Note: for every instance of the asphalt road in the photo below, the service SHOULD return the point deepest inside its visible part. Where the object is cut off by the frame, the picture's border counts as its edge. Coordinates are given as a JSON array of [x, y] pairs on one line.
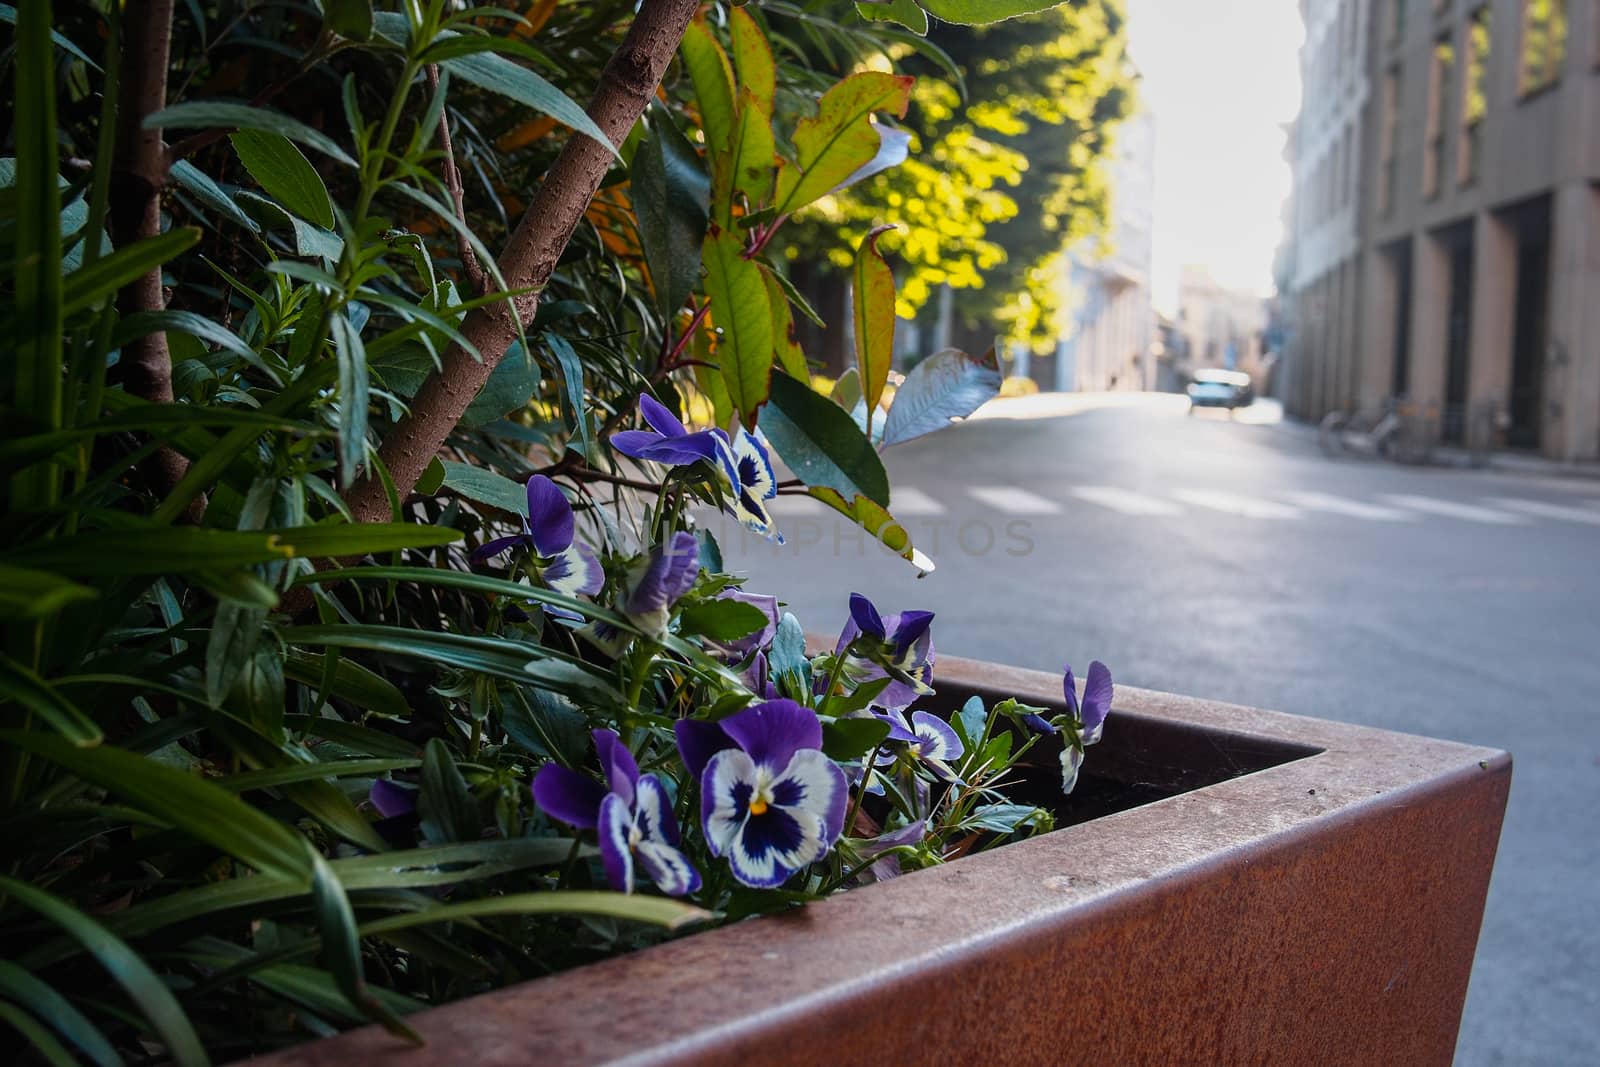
[[1228, 559]]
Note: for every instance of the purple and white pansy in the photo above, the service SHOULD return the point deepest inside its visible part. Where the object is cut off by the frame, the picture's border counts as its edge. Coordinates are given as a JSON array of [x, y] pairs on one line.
[[1089, 716], [668, 440], [771, 802], [928, 739], [899, 647], [562, 564], [632, 814], [747, 465], [660, 579]]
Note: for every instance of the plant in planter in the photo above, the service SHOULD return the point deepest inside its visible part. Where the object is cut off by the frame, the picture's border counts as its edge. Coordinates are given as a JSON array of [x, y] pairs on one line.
[[281, 754]]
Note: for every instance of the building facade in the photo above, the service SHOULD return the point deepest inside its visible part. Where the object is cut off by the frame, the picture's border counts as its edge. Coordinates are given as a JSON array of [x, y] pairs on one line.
[[1221, 327], [1109, 343], [1477, 287]]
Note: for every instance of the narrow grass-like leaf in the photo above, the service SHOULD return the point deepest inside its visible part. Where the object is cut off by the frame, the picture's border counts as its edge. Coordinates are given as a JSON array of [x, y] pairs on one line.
[[22, 685], [313, 772], [354, 387], [350, 681], [26, 593], [59, 1012], [874, 320], [88, 285], [211, 194], [480, 583], [34, 1033], [160, 1007], [230, 114]]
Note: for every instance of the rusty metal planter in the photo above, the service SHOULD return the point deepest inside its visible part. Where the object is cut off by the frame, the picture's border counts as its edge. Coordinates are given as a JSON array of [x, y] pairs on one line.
[[1307, 892]]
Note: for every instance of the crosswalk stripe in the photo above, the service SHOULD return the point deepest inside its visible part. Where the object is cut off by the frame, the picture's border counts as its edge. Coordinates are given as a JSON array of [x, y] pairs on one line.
[[907, 501], [1453, 510], [1126, 501], [1545, 510], [1236, 504], [1355, 509], [1013, 501]]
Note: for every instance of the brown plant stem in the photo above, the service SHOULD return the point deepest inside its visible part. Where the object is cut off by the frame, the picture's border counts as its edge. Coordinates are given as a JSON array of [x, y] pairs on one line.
[[476, 278], [530, 256], [139, 174]]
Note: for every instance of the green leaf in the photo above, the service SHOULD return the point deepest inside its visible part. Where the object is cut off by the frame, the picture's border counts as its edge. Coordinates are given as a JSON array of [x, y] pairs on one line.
[[87, 286], [572, 378], [185, 549], [738, 295], [354, 392], [205, 811], [876, 520], [273, 777], [351, 19], [211, 194], [449, 813], [8, 13], [284, 172], [351, 681], [874, 315], [671, 197], [748, 167], [309, 239], [752, 58], [905, 12], [486, 487], [432, 479], [230, 645], [341, 945], [481, 583], [229, 114], [143, 323], [511, 385], [142, 984], [20, 684], [712, 77], [357, 739], [721, 620], [1000, 818], [841, 138], [821, 443], [971, 721], [657, 911], [983, 12], [852, 739], [947, 385], [55, 1009], [26, 593]]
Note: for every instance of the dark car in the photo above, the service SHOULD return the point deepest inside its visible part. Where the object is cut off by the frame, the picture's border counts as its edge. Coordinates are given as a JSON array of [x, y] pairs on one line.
[[1219, 389]]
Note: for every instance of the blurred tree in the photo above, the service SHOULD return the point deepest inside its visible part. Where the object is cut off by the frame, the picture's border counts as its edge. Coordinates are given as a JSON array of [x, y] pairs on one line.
[[1003, 176]]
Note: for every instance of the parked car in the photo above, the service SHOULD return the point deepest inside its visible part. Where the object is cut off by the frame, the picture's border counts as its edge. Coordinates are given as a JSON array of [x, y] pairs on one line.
[[1219, 389]]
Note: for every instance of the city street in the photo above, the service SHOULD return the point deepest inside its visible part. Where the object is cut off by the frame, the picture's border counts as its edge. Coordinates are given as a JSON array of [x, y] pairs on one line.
[[1228, 558]]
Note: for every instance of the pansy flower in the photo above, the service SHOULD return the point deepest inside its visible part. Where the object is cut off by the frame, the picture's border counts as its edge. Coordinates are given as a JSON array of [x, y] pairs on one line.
[[391, 799], [632, 814], [747, 465], [881, 850], [770, 801], [564, 565], [1089, 717], [668, 441], [932, 742], [898, 646], [660, 579]]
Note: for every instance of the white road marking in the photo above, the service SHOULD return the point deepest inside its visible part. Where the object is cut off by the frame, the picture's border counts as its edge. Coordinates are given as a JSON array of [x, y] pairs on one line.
[[1127, 501], [1338, 505], [907, 500], [1450, 509], [1013, 501], [1236, 504], [1546, 510]]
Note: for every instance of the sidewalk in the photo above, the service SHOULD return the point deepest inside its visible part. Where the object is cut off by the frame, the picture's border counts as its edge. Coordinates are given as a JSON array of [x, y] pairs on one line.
[[1508, 462]]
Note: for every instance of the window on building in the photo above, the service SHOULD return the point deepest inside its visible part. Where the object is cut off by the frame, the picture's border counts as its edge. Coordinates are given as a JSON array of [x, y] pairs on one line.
[[1544, 44], [1439, 80], [1474, 96], [1388, 154], [1397, 21]]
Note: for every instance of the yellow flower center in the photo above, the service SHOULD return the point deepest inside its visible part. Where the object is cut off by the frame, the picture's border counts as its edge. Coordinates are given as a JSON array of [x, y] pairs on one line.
[[758, 806]]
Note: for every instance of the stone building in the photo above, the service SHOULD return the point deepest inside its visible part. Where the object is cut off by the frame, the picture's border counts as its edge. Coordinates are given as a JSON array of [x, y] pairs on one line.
[[1221, 327], [1475, 289]]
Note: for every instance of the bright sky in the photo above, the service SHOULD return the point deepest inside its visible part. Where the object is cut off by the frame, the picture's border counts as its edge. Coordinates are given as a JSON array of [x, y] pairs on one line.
[[1221, 77]]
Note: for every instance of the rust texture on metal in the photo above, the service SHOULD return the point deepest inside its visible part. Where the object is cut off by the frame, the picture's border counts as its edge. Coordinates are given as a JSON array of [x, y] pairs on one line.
[[1324, 909]]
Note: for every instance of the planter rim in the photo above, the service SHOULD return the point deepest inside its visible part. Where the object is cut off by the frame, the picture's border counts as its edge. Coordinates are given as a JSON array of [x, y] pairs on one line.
[[689, 1000]]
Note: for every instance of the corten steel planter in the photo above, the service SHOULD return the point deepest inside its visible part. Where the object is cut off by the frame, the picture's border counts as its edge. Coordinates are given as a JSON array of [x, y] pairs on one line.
[[1288, 891]]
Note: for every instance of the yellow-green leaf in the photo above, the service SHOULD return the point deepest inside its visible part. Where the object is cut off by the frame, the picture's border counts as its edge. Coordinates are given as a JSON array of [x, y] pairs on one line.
[[840, 139], [752, 58], [748, 166], [784, 336], [712, 77], [738, 295], [874, 320], [876, 520]]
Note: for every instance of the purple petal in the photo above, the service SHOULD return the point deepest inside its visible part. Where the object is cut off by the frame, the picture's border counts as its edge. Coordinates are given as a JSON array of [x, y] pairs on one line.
[[491, 549], [698, 742], [565, 794], [392, 799], [899, 730], [549, 516], [634, 442], [773, 731], [938, 738], [672, 451], [909, 629], [668, 868], [866, 617], [574, 570], [1096, 701], [617, 763], [616, 851], [1038, 724], [660, 419], [669, 572], [850, 632], [889, 866], [1069, 686]]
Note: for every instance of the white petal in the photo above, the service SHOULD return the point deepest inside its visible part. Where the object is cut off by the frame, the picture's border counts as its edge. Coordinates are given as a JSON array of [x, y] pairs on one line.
[[729, 768], [668, 868]]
